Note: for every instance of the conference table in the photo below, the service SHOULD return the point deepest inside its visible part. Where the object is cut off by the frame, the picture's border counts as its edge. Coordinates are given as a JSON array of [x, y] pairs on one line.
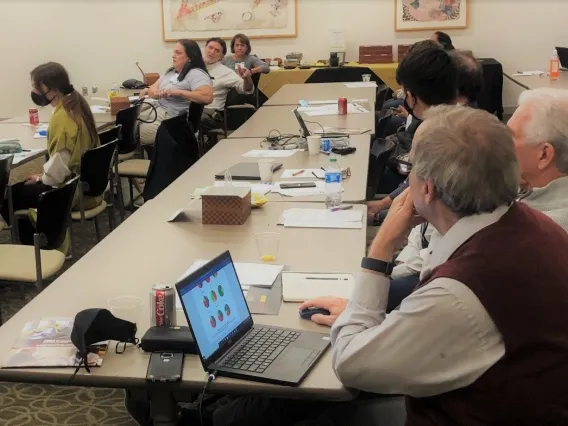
[[228, 152], [530, 82], [281, 119], [33, 148], [148, 248], [288, 94]]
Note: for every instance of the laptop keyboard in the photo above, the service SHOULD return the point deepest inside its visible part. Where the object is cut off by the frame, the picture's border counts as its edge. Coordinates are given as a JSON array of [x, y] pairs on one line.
[[259, 349]]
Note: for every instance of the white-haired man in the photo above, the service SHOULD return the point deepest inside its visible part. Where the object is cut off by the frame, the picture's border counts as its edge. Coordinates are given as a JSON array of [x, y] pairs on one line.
[[479, 342]]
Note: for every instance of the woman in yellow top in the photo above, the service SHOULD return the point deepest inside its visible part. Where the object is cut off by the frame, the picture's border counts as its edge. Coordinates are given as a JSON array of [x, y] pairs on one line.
[[71, 132]]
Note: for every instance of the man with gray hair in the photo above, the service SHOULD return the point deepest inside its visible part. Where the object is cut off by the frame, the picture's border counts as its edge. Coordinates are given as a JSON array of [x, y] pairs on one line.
[[540, 132], [479, 342]]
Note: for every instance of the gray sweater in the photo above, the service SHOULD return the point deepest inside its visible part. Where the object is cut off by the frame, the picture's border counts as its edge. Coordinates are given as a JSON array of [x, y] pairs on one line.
[[552, 200], [250, 61]]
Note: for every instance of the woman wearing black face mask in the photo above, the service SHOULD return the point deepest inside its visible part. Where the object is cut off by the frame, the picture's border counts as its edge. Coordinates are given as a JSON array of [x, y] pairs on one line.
[[71, 132]]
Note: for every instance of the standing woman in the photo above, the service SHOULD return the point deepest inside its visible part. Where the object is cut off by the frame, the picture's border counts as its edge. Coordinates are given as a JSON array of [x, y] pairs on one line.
[[241, 48], [185, 82], [70, 134]]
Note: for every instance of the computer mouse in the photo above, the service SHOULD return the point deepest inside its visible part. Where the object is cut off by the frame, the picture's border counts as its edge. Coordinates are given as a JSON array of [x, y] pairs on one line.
[[308, 312]]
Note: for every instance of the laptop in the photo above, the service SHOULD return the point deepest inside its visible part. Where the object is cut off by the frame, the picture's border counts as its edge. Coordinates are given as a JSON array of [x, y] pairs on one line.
[[245, 171], [227, 339], [563, 56], [305, 132]]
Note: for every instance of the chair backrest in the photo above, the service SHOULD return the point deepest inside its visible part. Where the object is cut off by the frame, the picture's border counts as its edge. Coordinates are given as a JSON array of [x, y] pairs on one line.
[[236, 117], [176, 151], [194, 115], [128, 118], [5, 166], [54, 214], [96, 166], [380, 150], [382, 95], [382, 125], [112, 134], [342, 75]]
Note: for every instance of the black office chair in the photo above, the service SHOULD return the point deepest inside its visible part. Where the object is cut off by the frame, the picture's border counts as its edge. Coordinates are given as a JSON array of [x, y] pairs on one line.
[[33, 264], [176, 151], [128, 143], [380, 151], [96, 174], [194, 115], [114, 134]]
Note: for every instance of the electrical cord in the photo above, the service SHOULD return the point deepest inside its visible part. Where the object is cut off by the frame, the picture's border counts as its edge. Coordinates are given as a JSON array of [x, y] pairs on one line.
[[142, 101], [210, 378], [280, 141], [322, 129]]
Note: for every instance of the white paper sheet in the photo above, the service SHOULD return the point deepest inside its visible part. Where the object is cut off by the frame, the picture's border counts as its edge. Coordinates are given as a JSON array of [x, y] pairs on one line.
[[21, 156], [302, 286], [99, 109], [270, 153], [360, 84], [323, 218], [256, 188], [250, 274], [528, 73], [302, 173], [347, 131], [332, 109]]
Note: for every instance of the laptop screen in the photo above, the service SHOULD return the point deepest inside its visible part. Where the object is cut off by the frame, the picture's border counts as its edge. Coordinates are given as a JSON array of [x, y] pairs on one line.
[[302, 123], [214, 305]]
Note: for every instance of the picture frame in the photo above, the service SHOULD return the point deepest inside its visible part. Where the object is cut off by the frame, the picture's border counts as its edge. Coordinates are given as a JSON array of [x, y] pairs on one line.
[[202, 19], [421, 15]]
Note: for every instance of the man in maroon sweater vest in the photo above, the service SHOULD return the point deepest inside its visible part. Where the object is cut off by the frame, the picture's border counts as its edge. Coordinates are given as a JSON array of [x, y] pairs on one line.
[[484, 339]]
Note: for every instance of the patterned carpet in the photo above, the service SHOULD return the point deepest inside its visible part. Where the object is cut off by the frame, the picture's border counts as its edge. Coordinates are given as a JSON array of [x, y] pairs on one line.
[[39, 405]]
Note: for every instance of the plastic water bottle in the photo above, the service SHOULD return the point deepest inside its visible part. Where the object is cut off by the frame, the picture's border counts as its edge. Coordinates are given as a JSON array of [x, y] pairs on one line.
[[333, 186], [114, 91], [554, 66]]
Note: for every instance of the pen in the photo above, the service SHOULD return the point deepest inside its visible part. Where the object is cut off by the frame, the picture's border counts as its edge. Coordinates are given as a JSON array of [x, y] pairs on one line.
[[342, 208], [322, 169], [298, 173]]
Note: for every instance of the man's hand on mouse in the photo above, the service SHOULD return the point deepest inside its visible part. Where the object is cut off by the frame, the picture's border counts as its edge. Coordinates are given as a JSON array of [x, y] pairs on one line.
[[335, 306]]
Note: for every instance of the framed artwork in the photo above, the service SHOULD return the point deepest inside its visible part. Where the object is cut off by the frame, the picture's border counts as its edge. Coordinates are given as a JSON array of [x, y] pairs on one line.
[[416, 15], [202, 19]]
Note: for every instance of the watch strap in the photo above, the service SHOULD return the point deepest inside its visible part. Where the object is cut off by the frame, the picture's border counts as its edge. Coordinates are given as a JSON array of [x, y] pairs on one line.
[[377, 265]]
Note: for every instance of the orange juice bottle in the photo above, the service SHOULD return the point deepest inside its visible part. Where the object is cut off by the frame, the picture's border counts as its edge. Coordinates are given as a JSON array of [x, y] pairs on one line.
[[554, 66]]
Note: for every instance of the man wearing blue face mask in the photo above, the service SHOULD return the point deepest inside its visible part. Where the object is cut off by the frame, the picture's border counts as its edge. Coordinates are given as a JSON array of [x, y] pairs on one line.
[[428, 77]]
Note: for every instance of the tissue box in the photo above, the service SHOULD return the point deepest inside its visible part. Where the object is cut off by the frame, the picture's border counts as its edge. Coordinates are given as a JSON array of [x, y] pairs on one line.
[[226, 206], [118, 103], [151, 77]]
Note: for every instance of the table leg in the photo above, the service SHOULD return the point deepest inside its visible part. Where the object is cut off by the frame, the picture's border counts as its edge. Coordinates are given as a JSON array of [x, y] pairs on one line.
[[163, 408]]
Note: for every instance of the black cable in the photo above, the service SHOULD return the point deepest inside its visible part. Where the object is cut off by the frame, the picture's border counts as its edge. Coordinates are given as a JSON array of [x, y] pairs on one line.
[[322, 129], [279, 141], [211, 377], [140, 102]]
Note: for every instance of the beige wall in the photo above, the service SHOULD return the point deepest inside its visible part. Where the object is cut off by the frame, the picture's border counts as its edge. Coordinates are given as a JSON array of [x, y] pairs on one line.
[[99, 40]]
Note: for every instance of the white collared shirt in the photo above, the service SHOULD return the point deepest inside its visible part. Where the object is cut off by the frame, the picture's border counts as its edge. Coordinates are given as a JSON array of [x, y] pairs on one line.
[[440, 339], [224, 79]]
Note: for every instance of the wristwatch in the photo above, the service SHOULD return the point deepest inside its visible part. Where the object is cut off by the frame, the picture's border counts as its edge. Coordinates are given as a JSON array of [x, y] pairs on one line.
[[377, 265]]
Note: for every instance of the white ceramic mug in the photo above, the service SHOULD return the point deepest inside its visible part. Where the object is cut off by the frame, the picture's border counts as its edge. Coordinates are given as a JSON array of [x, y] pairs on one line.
[[314, 143]]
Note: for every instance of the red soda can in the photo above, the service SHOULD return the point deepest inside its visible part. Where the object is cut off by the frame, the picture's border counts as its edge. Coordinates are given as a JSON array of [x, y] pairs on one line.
[[162, 306], [34, 116], [342, 106]]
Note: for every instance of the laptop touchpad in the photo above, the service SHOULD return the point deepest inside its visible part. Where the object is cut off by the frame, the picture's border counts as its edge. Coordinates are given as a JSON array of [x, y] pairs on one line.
[[297, 355]]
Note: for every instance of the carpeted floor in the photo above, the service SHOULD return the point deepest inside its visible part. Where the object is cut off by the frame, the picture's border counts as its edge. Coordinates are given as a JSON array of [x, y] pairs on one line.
[[38, 405]]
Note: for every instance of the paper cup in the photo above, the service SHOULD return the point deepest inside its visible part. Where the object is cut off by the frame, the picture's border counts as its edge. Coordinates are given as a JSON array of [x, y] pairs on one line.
[[314, 143], [366, 78], [265, 168]]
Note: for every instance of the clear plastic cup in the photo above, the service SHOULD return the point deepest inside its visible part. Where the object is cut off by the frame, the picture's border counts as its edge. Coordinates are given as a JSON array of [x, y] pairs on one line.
[[265, 168], [128, 308], [366, 78], [267, 244]]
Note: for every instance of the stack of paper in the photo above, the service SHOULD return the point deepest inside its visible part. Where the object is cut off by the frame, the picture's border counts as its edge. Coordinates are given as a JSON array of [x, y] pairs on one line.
[[332, 109], [361, 84], [99, 109], [323, 218], [250, 274], [270, 153], [302, 173], [302, 286]]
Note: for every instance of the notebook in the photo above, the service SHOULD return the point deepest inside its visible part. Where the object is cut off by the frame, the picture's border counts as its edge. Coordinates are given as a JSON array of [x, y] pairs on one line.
[[302, 286]]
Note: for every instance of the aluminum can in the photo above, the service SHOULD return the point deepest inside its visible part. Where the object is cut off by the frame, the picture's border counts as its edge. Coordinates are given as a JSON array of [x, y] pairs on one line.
[[162, 306], [342, 106], [34, 116]]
